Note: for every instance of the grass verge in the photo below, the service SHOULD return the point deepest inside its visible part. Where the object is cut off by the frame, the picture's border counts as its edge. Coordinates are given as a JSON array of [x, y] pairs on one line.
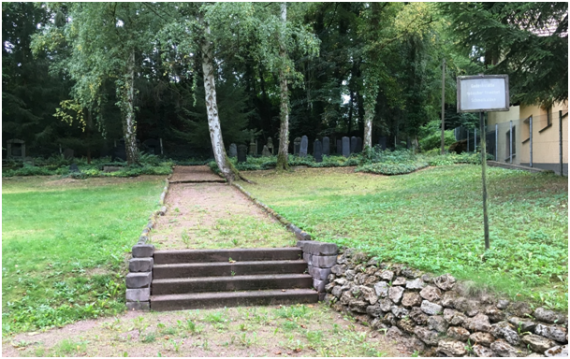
[[432, 220], [63, 246]]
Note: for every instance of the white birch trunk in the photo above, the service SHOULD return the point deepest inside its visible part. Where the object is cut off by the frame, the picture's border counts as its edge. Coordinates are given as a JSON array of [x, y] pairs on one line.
[[368, 116], [282, 157], [129, 123], [212, 111]]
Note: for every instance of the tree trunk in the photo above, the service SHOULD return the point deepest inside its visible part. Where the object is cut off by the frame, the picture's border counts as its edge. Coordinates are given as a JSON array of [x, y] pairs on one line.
[[129, 124], [368, 116], [212, 111], [282, 157]]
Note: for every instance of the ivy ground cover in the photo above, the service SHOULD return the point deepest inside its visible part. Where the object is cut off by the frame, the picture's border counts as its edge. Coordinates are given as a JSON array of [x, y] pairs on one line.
[[433, 220], [64, 245]]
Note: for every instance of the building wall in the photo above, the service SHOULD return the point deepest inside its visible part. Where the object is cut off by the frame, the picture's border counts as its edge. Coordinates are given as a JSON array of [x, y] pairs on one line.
[[545, 137]]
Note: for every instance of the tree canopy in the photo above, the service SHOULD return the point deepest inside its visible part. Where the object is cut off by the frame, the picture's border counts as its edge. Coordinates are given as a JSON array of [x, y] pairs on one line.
[[84, 75]]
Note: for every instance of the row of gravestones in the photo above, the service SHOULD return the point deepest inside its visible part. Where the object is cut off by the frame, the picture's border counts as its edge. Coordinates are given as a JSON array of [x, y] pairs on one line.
[[344, 147]]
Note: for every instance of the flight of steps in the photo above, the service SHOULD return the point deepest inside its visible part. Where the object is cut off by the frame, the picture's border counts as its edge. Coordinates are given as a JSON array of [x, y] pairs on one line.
[[195, 279]]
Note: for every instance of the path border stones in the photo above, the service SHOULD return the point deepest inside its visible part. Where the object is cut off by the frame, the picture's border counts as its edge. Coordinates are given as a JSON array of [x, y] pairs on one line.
[[140, 265]]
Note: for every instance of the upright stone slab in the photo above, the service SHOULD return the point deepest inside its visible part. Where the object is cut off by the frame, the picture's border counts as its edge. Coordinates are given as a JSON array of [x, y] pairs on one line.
[[339, 147], [265, 152], [270, 146], [253, 148], [233, 150], [382, 142], [345, 146], [353, 144], [318, 151], [297, 146], [326, 146], [120, 152], [304, 146], [358, 144], [241, 153]]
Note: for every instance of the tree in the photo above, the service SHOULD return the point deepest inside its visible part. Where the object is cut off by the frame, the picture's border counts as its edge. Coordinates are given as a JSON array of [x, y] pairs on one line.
[[108, 42], [528, 41]]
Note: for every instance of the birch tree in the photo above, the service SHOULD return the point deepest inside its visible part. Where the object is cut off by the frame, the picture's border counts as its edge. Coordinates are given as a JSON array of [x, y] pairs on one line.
[[108, 41]]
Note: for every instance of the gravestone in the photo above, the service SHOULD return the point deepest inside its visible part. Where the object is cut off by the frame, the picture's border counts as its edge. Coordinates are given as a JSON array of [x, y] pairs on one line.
[[304, 146], [16, 149], [318, 151], [252, 148], [68, 153], [233, 150], [73, 168], [382, 143], [358, 145], [326, 146], [265, 152], [241, 153], [270, 145], [297, 146], [345, 146], [353, 144], [151, 146], [339, 147]]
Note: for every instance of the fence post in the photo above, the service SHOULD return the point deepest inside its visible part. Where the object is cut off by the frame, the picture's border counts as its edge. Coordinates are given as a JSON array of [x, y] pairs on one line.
[[560, 141], [530, 125], [467, 140], [496, 142], [474, 140], [511, 142]]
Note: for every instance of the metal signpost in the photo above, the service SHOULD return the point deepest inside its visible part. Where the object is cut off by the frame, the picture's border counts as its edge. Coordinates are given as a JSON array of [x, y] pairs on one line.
[[481, 94]]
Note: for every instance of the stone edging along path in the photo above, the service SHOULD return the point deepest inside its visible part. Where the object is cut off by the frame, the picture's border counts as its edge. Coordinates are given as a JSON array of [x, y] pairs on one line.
[[435, 316]]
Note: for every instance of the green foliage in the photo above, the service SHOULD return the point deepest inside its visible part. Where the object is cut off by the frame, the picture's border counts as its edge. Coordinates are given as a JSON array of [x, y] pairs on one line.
[[434, 140], [528, 41], [392, 168]]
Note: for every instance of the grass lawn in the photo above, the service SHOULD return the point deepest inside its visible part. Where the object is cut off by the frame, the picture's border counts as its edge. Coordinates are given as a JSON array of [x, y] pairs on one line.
[[433, 220], [64, 244]]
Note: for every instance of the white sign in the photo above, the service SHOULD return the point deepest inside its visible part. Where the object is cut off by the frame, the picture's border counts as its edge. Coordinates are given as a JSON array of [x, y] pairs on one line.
[[482, 93]]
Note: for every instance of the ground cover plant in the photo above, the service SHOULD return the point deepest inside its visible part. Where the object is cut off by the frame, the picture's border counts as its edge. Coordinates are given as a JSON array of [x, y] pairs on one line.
[[275, 331], [58, 165], [432, 220], [64, 245]]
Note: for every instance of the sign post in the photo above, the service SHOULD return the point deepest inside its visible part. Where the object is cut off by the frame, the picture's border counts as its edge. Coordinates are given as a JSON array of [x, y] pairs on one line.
[[481, 94]]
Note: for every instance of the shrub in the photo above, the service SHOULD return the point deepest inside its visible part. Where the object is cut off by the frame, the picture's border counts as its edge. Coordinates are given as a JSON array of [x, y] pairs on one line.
[[434, 140]]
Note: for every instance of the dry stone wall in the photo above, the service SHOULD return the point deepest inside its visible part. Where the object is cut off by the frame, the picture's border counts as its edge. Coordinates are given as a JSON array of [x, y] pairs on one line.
[[436, 316]]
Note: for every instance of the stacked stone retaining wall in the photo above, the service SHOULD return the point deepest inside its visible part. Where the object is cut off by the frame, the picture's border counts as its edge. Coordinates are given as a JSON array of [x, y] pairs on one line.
[[436, 316]]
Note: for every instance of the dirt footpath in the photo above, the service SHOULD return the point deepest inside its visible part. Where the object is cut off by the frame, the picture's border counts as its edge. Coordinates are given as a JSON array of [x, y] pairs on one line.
[[210, 215], [288, 331]]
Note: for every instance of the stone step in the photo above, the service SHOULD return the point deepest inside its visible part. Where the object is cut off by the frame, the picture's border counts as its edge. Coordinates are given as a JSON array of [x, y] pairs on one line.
[[224, 255], [232, 299], [232, 283], [226, 269]]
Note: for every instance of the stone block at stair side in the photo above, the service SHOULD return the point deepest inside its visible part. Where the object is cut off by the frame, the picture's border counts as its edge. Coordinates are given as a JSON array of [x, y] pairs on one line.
[[139, 280], [141, 264], [320, 249], [319, 273], [138, 295], [138, 306], [143, 250]]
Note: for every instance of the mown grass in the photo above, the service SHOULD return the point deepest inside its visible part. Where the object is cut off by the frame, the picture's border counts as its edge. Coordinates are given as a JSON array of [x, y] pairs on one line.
[[433, 220], [64, 244]]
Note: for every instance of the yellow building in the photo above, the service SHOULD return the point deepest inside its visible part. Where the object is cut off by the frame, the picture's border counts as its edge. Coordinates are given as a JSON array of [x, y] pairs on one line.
[[542, 149]]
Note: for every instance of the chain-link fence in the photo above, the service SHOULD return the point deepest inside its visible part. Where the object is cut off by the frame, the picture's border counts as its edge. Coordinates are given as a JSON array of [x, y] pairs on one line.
[[536, 141]]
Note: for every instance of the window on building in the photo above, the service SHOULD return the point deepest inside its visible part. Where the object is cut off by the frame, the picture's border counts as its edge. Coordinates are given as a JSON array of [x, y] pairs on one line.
[[508, 143], [526, 129]]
